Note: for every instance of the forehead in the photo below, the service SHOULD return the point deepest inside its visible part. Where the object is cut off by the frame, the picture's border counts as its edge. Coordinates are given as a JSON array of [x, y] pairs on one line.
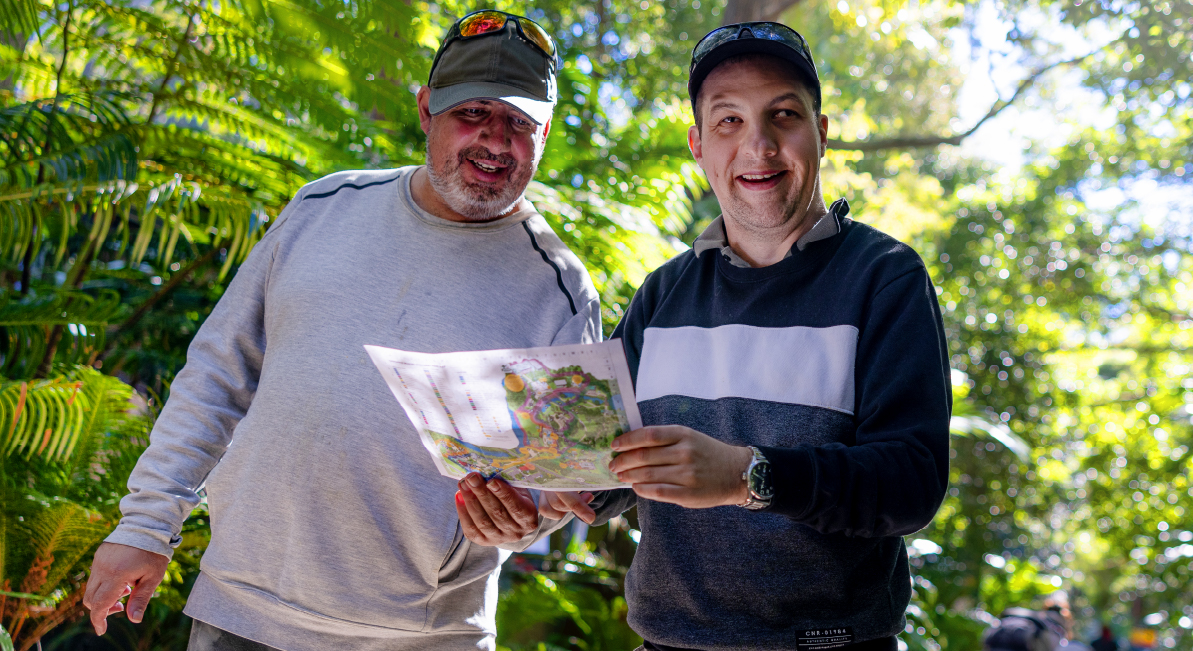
[[757, 77]]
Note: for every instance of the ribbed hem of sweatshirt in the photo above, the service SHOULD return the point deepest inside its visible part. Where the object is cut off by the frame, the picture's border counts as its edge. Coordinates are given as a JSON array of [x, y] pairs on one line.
[[260, 617], [150, 540], [793, 474]]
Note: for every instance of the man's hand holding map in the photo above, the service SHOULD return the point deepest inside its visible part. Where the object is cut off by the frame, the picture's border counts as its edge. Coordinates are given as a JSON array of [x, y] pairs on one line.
[[540, 418]]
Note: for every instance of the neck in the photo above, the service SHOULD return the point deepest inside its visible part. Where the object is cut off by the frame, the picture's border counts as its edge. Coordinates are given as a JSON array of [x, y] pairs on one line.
[[762, 247], [428, 199]]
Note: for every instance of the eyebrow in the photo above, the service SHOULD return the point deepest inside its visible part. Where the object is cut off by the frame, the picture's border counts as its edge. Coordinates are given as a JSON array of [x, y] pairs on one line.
[[787, 96], [727, 104], [722, 104]]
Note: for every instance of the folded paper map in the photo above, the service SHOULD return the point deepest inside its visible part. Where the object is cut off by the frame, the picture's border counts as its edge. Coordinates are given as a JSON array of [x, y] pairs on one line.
[[540, 418]]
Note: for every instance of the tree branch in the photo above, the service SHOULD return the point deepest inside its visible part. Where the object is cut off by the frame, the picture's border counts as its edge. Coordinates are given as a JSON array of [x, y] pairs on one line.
[[144, 308], [919, 141], [78, 274]]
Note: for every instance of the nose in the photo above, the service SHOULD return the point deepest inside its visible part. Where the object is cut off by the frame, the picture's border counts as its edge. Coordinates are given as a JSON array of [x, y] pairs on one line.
[[761, 140], [495, 133]]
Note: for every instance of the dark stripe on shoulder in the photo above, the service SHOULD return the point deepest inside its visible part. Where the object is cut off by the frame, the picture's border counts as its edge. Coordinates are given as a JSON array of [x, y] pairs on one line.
[[323, 195], [558, 272]]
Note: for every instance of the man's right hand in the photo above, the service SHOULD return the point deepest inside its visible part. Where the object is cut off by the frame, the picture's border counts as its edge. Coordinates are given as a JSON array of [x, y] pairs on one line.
[[117, 571], [556, 505]]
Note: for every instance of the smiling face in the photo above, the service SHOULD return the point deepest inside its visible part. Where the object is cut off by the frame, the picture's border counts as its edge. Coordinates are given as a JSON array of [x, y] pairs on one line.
[[481, 155], [760, 143]]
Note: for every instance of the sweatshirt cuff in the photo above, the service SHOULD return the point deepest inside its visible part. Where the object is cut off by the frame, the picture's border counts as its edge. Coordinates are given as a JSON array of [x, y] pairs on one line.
[[793, 475], [150, 540]]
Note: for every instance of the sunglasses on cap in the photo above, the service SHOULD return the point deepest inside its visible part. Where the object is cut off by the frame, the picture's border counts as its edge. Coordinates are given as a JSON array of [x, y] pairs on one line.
[[767, 31], [492, 21]]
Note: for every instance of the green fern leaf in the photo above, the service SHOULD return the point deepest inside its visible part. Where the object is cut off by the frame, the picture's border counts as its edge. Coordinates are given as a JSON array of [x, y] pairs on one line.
[[50, 418], [66, 532]]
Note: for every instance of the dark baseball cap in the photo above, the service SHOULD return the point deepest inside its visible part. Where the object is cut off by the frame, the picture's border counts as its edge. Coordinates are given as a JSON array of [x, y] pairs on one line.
[[771, 38], [501, 64]]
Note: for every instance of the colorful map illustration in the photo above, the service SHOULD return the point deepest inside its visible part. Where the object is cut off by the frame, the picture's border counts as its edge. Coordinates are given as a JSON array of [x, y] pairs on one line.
[[540, 418]]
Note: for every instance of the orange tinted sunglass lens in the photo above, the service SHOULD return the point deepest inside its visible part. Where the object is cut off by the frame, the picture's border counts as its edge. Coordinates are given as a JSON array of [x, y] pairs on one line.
[[481, 23], [538, 35]]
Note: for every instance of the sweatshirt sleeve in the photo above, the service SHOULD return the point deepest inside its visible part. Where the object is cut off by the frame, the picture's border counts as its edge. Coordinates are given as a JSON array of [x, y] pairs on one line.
[[210, 395], [584, 327], [892, 480]]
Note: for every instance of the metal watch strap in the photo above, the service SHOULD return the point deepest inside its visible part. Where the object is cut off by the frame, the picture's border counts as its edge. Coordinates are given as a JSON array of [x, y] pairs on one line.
[[753, 501]]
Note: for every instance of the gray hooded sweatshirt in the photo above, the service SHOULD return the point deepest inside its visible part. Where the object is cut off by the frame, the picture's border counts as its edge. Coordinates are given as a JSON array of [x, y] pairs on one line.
[[331, 527]]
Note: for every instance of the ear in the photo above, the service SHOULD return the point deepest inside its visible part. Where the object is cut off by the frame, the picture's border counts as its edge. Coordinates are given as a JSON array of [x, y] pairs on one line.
[[694, 144], [823, 128], [424, 108], [546, 130]]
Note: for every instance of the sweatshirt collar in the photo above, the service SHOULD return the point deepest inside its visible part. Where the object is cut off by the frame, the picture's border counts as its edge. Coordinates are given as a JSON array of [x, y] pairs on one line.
[[714, 237]]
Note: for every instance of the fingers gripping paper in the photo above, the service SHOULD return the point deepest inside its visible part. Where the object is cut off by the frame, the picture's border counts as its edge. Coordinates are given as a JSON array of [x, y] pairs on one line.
[[541, 418]]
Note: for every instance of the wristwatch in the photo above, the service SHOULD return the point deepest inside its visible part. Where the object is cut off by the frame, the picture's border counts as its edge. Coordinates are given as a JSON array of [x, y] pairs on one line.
[[758, 482]]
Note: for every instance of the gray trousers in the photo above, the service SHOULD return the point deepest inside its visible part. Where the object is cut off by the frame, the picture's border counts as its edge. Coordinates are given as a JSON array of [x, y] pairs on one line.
[[205, 637]]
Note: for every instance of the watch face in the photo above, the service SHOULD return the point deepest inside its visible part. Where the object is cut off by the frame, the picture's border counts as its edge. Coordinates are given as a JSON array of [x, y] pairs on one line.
[[760, 483]]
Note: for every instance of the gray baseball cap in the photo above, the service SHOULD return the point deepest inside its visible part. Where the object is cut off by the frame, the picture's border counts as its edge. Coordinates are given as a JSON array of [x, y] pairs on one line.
[[501, 66]]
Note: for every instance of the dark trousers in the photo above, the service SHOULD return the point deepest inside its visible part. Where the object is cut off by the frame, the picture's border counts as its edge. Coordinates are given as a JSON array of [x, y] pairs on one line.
[[205, 637], [883, 644]]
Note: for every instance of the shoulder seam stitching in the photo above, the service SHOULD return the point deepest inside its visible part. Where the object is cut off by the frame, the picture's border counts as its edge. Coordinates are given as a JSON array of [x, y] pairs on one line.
[[324, 195], [558, 271]]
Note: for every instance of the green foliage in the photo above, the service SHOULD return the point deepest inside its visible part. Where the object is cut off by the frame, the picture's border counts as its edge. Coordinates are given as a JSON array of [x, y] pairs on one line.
[[571, 598], [147, 145], [69, 445]]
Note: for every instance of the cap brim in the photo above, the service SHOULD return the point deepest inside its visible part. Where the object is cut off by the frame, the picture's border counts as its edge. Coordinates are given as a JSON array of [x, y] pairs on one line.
[[749, 46], [536, 109]]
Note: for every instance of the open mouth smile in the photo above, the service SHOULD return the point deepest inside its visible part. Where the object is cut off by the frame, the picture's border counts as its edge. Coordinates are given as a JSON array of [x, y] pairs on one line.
[[761, 180], [488, 170]]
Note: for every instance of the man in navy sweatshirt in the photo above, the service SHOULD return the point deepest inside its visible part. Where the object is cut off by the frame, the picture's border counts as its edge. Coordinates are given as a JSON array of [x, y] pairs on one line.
[[792, 374]]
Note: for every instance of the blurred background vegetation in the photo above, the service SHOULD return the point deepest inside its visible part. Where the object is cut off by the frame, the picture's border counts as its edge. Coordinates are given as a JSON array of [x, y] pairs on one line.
[[1036, 153]]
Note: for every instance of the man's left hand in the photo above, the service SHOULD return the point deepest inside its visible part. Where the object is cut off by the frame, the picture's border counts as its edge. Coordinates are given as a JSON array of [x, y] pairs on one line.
[[677, 464], [493, 512]]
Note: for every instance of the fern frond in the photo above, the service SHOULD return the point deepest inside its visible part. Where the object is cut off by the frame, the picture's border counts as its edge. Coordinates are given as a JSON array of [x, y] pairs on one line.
[[40, 415], [61, 307], [65, 532], [19, 16], [164, 210], [77, 136], [49, 418], [25, 324]]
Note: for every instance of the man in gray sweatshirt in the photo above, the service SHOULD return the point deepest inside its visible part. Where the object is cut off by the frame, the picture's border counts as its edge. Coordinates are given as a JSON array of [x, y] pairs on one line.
[[331, 527]]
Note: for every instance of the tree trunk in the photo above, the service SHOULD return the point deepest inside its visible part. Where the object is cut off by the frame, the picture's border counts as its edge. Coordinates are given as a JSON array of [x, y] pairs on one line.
[[743, 11]]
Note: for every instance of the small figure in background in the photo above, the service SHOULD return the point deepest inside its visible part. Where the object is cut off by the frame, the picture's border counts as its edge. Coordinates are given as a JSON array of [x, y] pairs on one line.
[[1021, 629], [1106, 642]]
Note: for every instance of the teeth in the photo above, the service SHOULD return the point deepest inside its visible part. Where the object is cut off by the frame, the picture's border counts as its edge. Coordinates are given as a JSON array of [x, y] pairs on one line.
[[759, 177], [483, 166]]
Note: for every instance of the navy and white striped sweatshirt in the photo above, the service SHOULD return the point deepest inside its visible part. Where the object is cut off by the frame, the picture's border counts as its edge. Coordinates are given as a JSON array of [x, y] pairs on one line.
[[833, 362]]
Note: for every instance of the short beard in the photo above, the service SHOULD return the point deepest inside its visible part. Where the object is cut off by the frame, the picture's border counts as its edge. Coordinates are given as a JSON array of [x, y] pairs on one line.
[[477, 202], [762, 219]]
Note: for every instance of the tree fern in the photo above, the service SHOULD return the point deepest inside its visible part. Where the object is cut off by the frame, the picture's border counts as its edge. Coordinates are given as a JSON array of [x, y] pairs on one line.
[[58, 535], [65, 532], [54, 507], [50, 418], [75, 135]]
